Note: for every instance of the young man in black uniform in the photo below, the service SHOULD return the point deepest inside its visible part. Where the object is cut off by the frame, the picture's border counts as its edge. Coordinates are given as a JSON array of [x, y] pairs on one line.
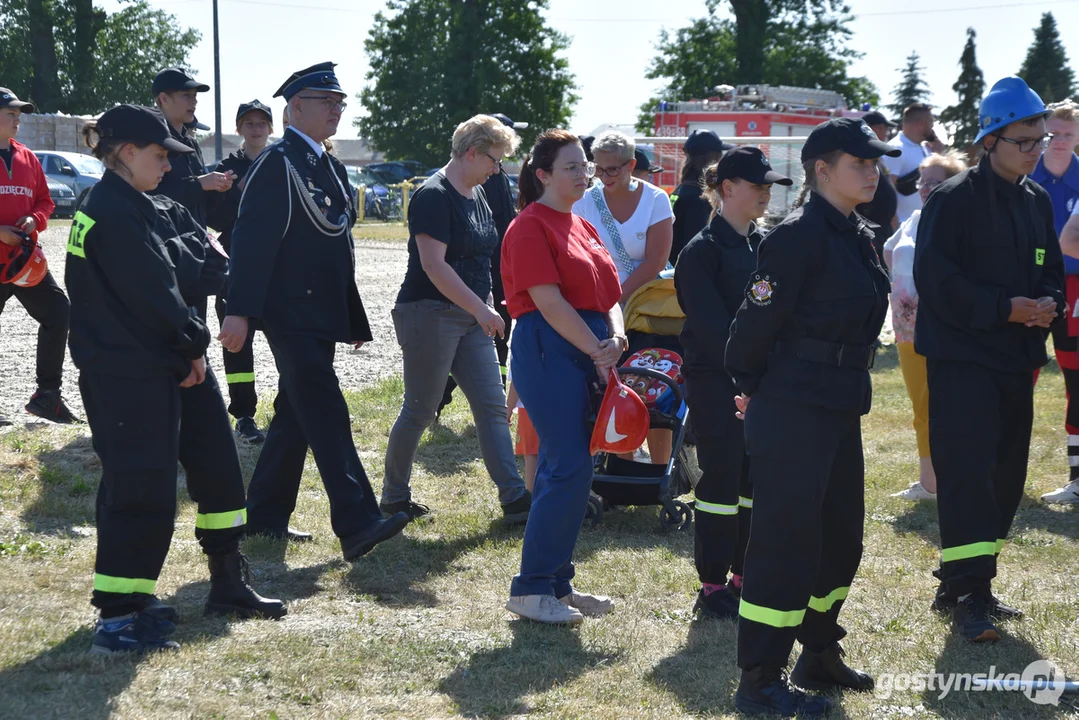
[[254, 123], [801, 347], [176, 95], [691, 210], [710, 280], [136, 268], [500, 199], [990, 280], [293, 271]]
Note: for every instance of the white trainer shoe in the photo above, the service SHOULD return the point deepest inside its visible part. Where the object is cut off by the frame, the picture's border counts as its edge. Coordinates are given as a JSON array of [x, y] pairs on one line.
[[544, 609], [916, 491], [589, 605], [1067, 495]]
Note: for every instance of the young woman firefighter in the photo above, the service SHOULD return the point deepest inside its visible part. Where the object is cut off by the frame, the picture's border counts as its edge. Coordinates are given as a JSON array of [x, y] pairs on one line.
[[136, 268], [710, 279]]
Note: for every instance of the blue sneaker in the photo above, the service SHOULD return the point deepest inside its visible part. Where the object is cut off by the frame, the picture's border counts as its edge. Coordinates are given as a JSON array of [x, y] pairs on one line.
[[136, 632]]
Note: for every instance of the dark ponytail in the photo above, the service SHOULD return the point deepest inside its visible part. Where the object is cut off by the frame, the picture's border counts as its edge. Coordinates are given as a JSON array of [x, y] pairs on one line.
[[542, 157]]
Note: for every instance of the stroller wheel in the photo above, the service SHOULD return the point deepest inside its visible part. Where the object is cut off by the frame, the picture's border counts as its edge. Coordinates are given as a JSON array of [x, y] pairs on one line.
[[675, 515], [594, 511]]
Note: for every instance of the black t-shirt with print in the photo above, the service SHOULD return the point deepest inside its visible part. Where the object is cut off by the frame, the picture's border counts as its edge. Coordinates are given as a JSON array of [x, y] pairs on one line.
[[465, 225]]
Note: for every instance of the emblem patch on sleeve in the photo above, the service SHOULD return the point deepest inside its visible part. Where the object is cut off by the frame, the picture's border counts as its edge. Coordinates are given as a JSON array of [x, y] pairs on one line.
[[761, 289]]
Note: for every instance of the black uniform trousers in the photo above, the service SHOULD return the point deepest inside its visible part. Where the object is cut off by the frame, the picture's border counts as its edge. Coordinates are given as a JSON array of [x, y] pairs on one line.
[[309, 411], [979, 437], [143, 426], [1066, 349], [805, 545], [239, 371], [47, 304], [724, 497]]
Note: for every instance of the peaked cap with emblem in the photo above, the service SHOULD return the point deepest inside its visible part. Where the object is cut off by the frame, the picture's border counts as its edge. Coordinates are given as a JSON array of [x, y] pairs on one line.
[[316, 77]]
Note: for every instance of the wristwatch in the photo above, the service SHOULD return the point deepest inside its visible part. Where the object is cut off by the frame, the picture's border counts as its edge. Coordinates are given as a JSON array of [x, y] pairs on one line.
[[624, 339]]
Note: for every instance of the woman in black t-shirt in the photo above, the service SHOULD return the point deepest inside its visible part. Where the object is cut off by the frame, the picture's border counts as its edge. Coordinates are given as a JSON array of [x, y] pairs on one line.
[[445, 321]]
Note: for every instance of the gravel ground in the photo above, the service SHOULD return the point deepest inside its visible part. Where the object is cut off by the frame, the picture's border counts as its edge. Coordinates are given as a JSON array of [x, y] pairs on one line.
[[380, 266]]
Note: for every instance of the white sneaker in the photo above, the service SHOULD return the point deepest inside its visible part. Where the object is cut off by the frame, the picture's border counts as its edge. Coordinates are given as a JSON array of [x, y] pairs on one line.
[[544, 609], [590, 605], [916, 491], [1067, 495]]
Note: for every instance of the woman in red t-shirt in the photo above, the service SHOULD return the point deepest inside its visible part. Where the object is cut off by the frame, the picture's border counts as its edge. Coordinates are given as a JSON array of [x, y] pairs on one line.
[[562, 289]]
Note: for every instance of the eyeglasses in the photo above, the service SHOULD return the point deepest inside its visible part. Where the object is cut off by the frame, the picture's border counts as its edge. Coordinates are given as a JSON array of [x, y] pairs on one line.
[[611, 171], [1026, 146], [330, 103], [496, 161], [575, 170], [929, 185]]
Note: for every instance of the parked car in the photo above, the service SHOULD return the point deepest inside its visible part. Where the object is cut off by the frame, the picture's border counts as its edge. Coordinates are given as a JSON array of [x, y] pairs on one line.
[[78, 172], [397, 171], [378, 201], [63, 197]]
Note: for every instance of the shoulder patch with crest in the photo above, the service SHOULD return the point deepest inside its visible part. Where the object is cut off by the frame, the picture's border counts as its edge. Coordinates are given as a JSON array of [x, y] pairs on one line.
[[761, 289]]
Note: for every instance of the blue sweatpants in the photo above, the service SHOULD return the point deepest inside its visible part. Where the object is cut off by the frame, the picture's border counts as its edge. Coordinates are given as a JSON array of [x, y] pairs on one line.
[[554, 380]]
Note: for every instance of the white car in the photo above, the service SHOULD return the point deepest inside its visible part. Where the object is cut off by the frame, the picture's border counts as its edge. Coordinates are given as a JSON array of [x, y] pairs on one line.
[[79, 172]]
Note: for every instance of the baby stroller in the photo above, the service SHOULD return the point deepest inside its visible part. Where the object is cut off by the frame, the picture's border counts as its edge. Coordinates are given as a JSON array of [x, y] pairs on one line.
[[654, 375]]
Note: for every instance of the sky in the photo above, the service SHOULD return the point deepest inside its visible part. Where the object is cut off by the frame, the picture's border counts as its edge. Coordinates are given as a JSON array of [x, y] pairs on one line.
[[260, 45]]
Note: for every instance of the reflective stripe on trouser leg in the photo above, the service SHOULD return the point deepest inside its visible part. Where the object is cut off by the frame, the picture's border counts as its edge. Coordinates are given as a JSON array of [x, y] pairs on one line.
[[212, 466], [720, 454], [979, 432], [135, 426], [793, 450], [239, 372]]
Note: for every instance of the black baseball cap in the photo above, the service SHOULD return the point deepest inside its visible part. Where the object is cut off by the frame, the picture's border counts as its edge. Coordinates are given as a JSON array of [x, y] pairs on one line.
[[173, 79], [8, 100], [851, 135], [643, 163], [196, 125], [586, 143], [254, 105], [700, 142], [750, 164], [509, 123], [139, 124], [320, 76], [876, 117]]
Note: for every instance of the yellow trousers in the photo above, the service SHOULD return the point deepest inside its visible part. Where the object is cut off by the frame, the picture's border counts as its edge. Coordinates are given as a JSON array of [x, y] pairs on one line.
[[914, 375]]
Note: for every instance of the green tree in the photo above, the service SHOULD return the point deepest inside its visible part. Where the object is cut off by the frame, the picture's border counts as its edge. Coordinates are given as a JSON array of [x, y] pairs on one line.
[[776, 42], [69, 56], [434, 64], [1045, 68], [911, 87], [962, 118]]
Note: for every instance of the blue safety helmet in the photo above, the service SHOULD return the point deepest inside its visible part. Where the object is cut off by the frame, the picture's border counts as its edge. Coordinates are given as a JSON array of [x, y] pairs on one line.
[[1010, 100]]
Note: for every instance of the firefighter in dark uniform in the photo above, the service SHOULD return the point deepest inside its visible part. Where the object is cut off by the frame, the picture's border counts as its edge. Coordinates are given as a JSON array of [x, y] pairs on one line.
[[176, 95], [692, 211], [293, 272], [135, 269], [710, 280], [990, 280], [254, 122], [801, 347], [504, 210]]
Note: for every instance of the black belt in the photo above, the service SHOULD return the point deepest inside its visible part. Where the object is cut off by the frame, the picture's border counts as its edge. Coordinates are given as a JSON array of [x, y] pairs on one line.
[[829, 353]]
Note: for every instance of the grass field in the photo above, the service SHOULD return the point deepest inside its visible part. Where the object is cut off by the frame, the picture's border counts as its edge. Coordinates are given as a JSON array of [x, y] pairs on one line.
[[416, 629]]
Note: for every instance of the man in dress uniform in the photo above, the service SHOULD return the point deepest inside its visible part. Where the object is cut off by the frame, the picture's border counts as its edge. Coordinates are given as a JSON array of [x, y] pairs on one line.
[[293, 273]]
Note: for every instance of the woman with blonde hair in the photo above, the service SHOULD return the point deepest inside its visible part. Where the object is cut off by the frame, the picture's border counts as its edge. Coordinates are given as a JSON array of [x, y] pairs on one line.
[[899, 256], [445, 321]]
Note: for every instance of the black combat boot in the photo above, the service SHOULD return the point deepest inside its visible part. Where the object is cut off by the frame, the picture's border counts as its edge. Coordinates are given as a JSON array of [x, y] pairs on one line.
[[765, 691], [825, 670], [231, 592]]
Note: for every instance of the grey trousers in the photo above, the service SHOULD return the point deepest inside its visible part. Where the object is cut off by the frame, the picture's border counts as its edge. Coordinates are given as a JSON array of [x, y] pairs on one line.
[[438, 338]]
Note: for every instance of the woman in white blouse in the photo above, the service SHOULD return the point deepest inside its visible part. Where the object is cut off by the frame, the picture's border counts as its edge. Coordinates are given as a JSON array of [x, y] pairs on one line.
[[633, 217], [635, 222]]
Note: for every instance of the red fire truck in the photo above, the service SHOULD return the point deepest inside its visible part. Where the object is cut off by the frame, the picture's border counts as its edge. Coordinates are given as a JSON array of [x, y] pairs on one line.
[[747, 111]]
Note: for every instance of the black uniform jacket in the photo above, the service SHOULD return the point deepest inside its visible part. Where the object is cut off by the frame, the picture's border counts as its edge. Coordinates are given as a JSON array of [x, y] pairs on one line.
[[222, 208], [982, 241], [128, 313], [691, 212], [182, 182], [500, 200], [201, 269], [817, 277], [292, 261], [710, 279]]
